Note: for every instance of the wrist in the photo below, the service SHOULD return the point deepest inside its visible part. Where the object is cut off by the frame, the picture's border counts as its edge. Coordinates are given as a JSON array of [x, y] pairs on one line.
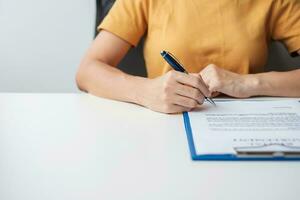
[[137, 89], [252, 84], [258, 85]]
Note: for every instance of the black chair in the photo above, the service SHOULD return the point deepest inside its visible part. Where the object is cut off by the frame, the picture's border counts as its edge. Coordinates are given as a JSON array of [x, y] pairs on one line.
[[279, 59]]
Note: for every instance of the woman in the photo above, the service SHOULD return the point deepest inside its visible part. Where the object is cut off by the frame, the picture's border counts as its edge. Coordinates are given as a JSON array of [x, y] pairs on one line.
[[224, 43]]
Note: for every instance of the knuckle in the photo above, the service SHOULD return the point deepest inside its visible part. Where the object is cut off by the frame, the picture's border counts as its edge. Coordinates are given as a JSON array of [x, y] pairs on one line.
[[201, 100], [205, 78], [199, 83], [203, 72], [197, 94], [192, 103], [200, 95], [168, 76], [166, 87], [212, 67], [212, 70], [196, 82], [171, 74]]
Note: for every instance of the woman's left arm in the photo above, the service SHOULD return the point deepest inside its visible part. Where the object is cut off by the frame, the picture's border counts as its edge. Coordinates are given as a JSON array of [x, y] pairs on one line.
[[284, 84]]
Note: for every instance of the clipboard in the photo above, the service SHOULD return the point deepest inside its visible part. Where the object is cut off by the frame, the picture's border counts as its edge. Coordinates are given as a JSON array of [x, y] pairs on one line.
[[242, 153]]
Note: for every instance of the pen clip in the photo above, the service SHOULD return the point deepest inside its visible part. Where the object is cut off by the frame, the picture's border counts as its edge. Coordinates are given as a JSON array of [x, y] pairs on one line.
[[181, 65]]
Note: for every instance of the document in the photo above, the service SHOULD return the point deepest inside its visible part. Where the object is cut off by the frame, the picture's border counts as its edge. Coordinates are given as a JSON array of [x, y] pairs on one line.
[[272, 124]]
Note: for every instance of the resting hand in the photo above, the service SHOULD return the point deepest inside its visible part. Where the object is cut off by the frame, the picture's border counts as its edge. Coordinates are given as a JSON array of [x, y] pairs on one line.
[[226, 82], [174, 92]]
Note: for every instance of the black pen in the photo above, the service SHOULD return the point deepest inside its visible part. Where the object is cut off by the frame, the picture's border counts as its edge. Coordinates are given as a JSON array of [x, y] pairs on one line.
[[174, 63]]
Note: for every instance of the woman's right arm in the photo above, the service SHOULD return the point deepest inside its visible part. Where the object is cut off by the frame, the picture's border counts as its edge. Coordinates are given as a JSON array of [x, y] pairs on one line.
[[171, 93]]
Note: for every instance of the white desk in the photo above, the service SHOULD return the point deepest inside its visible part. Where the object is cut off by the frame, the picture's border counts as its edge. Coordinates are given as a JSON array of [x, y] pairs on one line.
[[76, 146]]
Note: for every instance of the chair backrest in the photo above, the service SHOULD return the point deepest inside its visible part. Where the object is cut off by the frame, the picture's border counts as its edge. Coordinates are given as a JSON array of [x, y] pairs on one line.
[[279, 59], [42, 43]]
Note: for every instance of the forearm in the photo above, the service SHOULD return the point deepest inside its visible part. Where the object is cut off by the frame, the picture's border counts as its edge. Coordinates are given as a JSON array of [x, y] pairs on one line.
[[106, 81], [284, 84]]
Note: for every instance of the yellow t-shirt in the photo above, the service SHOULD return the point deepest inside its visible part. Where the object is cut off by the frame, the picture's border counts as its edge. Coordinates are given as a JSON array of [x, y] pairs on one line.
[[233, 34]]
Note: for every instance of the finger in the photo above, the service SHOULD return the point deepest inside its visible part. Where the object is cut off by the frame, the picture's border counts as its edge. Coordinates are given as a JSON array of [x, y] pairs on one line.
[[177, 109], [194, 81], [184, 101], [205, 89], [190, 92], [215, 94]]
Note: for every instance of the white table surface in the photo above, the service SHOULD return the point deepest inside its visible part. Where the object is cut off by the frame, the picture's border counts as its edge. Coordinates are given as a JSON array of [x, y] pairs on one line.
[[77, 146]]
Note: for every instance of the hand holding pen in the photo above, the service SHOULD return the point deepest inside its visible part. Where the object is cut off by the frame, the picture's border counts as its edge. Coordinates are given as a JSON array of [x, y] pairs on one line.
[[175, 64], [173, 92]]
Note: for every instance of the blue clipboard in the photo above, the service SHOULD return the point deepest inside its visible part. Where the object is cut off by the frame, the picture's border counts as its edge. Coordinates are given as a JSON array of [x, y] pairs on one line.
[[223, 157]]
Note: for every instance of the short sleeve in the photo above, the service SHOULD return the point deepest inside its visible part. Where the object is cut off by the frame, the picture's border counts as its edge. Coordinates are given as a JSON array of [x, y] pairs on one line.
[[286, 23], [127, 19]]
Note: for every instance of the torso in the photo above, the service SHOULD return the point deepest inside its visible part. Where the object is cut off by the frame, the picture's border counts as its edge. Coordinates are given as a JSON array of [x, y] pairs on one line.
[[232, 34]]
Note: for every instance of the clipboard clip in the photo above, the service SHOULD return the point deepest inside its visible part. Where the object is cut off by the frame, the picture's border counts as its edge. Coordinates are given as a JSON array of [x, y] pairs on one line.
[[271, 150]]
